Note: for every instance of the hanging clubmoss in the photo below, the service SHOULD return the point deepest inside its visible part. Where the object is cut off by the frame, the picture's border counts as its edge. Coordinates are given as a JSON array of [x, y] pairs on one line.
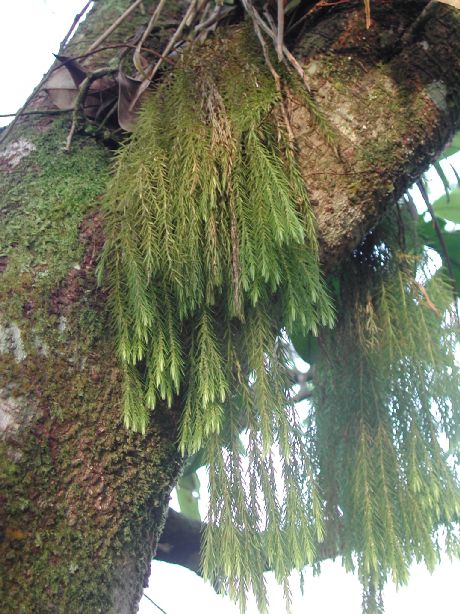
[[387, 394], [210, 252]]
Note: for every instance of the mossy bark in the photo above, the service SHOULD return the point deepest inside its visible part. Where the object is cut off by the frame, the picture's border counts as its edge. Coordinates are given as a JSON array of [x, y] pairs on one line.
[[83, 500]]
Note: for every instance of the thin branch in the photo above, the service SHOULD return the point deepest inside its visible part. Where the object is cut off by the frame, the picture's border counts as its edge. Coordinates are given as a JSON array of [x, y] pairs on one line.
[[115, 46], [218, 13], [75, 23], [154, 18], [38, 112], [280, 30], [155, 604], [114, 26], [277, 79], [80, 100], [174, 38], [253, 13]]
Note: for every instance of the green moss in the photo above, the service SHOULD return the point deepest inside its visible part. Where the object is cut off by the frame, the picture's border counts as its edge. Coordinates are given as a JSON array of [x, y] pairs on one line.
[[77, 473], [7, 467], [79, 493], [41, 213]]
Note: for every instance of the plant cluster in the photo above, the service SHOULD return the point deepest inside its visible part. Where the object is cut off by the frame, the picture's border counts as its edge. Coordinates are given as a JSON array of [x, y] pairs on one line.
[[210, 261], [386, 411], [211, 251]]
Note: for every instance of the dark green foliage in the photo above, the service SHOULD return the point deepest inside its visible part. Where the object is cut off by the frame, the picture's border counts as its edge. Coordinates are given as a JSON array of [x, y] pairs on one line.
[[387, 395]]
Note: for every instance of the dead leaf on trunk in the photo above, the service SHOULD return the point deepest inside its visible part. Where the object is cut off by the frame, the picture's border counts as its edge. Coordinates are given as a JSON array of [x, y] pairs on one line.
[[63, 87], [127, 90]]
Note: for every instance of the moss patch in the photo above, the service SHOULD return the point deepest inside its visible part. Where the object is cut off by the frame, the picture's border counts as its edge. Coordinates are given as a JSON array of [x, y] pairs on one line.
[[41, 212], [82, 492]]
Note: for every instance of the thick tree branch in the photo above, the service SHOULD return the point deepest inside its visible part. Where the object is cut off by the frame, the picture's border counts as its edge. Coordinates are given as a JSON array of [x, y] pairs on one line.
[[180, 541], [392, 108], [181, 538]]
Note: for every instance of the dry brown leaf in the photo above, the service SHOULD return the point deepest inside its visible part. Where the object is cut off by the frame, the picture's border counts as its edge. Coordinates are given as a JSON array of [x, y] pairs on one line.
[[127, 90], [63, 87], [76, 71]]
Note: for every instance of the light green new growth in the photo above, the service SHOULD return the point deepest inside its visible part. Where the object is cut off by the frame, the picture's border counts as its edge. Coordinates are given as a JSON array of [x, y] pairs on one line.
[[387, 393], [211, 255], [210, 252]]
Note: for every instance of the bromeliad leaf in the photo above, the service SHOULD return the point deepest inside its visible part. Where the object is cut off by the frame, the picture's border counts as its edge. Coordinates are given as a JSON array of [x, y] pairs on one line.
[[427, 233], [188, 491], [448, 206]]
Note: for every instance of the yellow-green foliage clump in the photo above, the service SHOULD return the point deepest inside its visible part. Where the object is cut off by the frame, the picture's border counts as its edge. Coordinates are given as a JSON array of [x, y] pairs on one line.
[[387, 395], [211, 257], [211, 251]]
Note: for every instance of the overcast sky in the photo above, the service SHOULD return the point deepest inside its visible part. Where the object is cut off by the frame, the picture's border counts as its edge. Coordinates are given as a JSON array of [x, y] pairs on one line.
[[30, 31]]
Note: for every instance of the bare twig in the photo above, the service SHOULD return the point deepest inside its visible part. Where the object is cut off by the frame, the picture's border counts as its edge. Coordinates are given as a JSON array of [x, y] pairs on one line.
[[277, 79], [367, 11], [256, 17], [218, 13], [114, 26], [38, 112], [190, 13], [155, 604], [280, 30], [115, 46], [154, 18], [75, 23], [80, 100]]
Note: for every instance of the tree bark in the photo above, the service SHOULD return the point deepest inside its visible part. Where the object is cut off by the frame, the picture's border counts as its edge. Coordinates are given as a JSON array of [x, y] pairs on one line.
[[83, 501]]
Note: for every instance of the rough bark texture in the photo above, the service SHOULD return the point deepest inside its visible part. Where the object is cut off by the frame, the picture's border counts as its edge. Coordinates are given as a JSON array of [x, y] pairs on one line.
[[392, 106], [83, 501]]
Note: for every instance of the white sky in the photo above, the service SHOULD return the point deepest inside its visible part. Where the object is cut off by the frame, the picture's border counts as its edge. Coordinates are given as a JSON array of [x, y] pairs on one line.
[[30, 31]]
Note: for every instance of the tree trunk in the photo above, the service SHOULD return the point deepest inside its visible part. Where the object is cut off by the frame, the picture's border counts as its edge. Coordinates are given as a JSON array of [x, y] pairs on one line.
[[83, 500]]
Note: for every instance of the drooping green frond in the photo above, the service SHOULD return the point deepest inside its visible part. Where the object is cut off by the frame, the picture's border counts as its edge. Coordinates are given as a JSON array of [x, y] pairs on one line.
[[387, 393], [210, 252], [260, 521]]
